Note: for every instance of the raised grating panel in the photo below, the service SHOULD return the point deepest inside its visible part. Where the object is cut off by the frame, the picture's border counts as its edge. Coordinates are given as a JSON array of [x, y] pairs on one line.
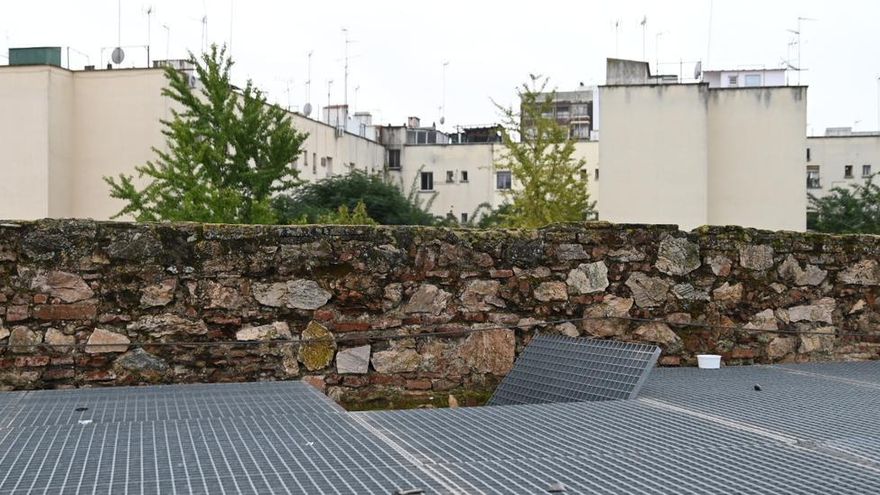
[[554, 368]]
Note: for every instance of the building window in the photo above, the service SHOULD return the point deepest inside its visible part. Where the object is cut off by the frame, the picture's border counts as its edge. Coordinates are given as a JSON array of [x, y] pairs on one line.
[[847, 171], [315, 163], [351, 167], [394, 159], [579, 131], [866, 170], [427, 181], [329, 166], [808, 154], [813, 177], [464, 177], [503, 180], [464, 217], [753, 80], [597, 174], [732, 80], [583, 172], [450, 176]]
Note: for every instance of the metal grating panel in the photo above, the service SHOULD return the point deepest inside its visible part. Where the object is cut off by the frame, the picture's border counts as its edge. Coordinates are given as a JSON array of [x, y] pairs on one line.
[[554, 368], [765, 469], [549, 430], [805, 406]]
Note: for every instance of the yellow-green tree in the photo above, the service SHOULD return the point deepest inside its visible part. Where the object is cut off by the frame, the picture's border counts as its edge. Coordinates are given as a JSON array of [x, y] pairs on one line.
[[539, 153]]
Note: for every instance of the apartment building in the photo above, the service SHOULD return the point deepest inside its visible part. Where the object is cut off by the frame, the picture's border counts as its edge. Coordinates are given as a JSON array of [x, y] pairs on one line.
[[63, 131], [840, 159], [693, 154]]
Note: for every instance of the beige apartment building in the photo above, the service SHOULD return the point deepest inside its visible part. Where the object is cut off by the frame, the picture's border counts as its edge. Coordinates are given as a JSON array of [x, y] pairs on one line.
[[693, 154], [62, 132]]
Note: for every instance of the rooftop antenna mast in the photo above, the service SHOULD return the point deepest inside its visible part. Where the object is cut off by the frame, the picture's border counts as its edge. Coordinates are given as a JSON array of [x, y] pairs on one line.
[[307, 108], [329, 86], [443, 95], [345, 83], [204, 26], [231, 18], [644, 24], [617, 37], [149, 32], [709, 35], [118, 55], [797, 33], [356, 89], [657, 50], [167, 41]]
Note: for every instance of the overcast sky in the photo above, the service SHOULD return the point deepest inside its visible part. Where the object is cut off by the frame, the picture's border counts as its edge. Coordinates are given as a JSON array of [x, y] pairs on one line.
[[398, 48]]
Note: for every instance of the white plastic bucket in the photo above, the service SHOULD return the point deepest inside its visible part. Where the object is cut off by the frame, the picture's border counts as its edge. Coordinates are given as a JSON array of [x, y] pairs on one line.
[[709, 361]]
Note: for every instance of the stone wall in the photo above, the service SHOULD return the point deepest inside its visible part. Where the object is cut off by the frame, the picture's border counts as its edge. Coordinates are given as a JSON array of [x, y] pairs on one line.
[[86, 303]]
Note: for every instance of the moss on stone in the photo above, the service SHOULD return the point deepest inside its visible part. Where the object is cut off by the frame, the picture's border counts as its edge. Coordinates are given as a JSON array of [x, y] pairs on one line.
[[317, 352]]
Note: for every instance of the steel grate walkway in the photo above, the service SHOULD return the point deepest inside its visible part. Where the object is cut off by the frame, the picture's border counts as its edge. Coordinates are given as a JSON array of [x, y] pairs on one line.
[[810, 430]]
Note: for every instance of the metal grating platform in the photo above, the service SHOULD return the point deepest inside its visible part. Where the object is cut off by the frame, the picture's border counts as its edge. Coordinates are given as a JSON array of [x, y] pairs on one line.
[[554, 368], [807, 431]]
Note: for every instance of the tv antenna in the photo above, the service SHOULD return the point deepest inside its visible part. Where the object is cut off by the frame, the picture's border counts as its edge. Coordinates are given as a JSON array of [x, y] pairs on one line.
[[205, 33], [657, 50], [345, 82], [307, 108], [443, 94], [797, 33], [167, 41], [644, 24], [118, 54], [329, 87], [356, 89], [149, 13]]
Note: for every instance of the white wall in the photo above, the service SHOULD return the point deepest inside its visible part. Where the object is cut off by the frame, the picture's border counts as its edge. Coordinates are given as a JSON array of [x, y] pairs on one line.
[[61, 142], [24, 142], [756, 154], [115, 126], [653, 154], [690, 155]]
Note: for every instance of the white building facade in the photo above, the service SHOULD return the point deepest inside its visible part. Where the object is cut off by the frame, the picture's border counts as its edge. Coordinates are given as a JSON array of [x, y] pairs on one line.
[[841, 159]]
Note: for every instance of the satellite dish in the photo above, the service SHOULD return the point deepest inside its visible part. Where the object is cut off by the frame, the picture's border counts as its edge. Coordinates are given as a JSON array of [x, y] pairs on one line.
[[118, 55], [307, 109], [698, 70], [442, 120]]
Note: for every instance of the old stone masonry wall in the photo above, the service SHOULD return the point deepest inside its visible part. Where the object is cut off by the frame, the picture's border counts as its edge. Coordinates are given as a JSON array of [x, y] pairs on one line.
[[87, 303]]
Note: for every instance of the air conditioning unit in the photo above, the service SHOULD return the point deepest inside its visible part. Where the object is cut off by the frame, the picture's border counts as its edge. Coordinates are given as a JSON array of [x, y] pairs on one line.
[[340, 131]]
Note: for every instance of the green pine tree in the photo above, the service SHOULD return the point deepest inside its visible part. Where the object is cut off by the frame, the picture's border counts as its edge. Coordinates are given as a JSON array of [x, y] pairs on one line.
[[539, 154], [228, 152]]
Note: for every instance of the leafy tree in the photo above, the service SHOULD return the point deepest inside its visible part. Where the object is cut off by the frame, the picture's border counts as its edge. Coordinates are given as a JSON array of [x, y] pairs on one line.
[[853, 210], [539, 154], [343, 216], [228, 152], [383, 201]]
